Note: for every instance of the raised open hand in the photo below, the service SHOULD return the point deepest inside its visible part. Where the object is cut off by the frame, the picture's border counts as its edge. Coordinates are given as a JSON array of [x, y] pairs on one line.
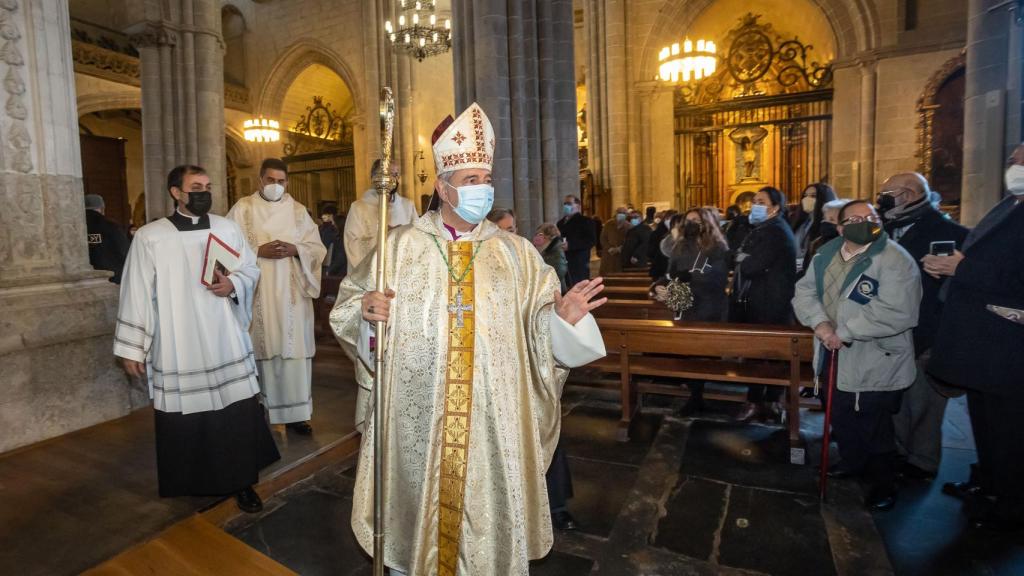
[[579, 301]]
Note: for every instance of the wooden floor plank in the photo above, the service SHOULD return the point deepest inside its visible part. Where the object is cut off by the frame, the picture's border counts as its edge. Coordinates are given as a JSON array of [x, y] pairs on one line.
[[191, 547]]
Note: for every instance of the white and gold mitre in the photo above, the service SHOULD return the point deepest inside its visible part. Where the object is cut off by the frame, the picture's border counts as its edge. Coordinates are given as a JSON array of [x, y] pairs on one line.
[[467, 142]]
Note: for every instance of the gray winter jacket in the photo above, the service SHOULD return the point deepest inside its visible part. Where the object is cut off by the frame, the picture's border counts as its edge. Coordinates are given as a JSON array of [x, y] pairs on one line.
[[877, 312]]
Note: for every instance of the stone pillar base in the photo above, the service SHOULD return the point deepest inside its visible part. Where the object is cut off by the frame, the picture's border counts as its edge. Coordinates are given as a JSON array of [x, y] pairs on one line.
[[57, 370]]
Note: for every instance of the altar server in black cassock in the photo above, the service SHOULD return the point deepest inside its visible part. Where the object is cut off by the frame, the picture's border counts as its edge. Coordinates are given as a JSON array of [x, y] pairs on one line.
[[191, 343]]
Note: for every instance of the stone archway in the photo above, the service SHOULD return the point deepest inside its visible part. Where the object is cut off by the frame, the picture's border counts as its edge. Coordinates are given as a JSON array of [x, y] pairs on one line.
[[940, 130], [854, 24], [99, 102], [292, 62]]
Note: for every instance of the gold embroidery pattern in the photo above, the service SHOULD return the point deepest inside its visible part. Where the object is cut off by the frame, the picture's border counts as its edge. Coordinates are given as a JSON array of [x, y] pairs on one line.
[[458, 405]]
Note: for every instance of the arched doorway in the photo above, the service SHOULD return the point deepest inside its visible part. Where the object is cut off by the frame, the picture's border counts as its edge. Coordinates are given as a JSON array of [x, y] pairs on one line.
[[111, 148], [941, 132], [317, 110]]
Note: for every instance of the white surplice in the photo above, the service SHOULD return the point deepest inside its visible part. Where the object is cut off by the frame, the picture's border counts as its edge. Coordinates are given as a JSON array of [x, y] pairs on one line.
[[283, 320], [361, 225], [195, 344]]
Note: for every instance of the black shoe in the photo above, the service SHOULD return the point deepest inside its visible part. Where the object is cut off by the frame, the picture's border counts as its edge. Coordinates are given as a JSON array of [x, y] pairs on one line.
[[839, 473], [249, 501], [773, 412], [910, 472], [807, 392], [881, 500], [961, 490], [748, 412], [563, 521], [995, 523], [300, 428]]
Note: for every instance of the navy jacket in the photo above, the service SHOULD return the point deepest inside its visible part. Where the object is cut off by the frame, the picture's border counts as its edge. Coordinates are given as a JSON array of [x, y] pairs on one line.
[[974, 347], [930, 226]]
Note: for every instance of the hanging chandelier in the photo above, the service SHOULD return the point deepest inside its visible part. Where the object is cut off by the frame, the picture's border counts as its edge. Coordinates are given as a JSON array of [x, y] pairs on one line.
[[675, 64], [418, 31], [261, 130]]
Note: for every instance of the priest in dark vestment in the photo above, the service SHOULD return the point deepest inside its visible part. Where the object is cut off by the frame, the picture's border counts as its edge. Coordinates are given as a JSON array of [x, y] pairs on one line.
[[191, 343]]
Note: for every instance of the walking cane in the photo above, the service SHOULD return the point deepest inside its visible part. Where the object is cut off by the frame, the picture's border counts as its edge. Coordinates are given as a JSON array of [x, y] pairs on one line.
[[383, 183], [833, 368]]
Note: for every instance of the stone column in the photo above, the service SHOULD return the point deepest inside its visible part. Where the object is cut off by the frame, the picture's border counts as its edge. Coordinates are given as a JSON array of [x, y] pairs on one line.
[[985, 109], [866, 154], [515, 57], [595, 104], [616, 109], [56, 313], [182, 58]]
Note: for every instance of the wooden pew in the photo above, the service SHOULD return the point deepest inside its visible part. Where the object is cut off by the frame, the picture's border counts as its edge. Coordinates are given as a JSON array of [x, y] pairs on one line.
[[626, 292], [618, 281], [634, 310], [772, 355]]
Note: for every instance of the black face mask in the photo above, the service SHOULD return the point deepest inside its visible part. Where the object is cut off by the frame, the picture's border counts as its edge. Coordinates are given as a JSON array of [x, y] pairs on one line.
[[886, 202], [862, 233], [691, 229], [828, 231], [199, 203]]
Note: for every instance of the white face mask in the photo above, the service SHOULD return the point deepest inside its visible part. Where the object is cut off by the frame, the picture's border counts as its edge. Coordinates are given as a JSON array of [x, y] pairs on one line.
[[1015, 180], [273, 192], [808, 204]]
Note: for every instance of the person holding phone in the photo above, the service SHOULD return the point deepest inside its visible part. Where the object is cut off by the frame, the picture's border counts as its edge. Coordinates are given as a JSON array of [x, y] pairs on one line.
[[910, 218], [979, 348]]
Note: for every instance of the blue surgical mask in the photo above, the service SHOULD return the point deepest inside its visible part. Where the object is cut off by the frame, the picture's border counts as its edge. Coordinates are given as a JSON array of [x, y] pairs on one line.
[[567, 209], [635, 221], [475, 202], [758, 214], [620, 217]]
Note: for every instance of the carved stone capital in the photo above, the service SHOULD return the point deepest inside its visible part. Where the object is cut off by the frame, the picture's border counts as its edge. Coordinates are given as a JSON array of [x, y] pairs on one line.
[[154, 34]]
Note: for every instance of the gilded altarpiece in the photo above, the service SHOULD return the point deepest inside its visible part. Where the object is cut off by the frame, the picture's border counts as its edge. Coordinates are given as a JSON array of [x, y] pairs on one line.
[[763, 119]]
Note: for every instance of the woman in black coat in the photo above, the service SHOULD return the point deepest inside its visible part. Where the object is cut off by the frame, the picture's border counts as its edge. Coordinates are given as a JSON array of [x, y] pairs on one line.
[[700, 256], [764, 283]]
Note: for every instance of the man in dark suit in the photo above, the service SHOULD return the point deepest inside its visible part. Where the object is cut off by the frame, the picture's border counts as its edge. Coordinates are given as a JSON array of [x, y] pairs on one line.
[[979, 347], [108, 244], [912, 221], [578, 232]]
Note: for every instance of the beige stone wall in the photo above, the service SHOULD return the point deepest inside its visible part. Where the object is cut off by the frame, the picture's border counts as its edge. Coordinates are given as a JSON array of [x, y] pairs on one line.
[[901, 82]]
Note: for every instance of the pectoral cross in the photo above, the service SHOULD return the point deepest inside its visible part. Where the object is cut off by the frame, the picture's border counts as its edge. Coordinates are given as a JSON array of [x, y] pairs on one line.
[[459, 309]]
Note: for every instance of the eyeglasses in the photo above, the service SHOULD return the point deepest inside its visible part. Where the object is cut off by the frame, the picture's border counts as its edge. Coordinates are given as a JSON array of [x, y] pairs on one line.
[[893, 192], [858, 219]]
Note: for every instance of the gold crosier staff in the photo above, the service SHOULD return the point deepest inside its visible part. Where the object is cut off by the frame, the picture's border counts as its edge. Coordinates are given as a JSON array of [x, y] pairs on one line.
[[383, 182]]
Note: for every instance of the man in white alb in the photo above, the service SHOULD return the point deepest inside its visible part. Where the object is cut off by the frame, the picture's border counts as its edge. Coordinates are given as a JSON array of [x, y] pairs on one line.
[[361, 222], [191, 343], [290, 252]]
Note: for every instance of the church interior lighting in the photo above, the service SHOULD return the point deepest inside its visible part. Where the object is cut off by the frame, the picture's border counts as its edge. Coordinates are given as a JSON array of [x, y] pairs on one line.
[[261, 130], [419, 32], [696, 61]]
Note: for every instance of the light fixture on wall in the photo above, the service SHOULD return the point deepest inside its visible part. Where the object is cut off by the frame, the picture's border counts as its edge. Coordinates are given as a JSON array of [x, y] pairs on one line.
[[417, 158], [695, 61], [419, 31], [261, 130]]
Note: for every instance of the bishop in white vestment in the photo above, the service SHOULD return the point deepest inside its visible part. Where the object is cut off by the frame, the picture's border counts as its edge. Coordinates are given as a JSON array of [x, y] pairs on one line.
[[477, 350], [283, 320], [192, 345]]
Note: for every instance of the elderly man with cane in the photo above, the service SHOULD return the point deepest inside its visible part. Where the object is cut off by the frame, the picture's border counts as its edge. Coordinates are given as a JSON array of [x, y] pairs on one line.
[[861, 295]]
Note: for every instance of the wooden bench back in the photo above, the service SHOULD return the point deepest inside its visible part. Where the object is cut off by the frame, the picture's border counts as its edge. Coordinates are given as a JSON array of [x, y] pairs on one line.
[[634, 310], [756, 342]]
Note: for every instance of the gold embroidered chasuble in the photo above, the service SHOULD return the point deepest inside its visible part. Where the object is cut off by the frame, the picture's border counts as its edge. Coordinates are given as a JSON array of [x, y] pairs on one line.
[[472, 392]]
